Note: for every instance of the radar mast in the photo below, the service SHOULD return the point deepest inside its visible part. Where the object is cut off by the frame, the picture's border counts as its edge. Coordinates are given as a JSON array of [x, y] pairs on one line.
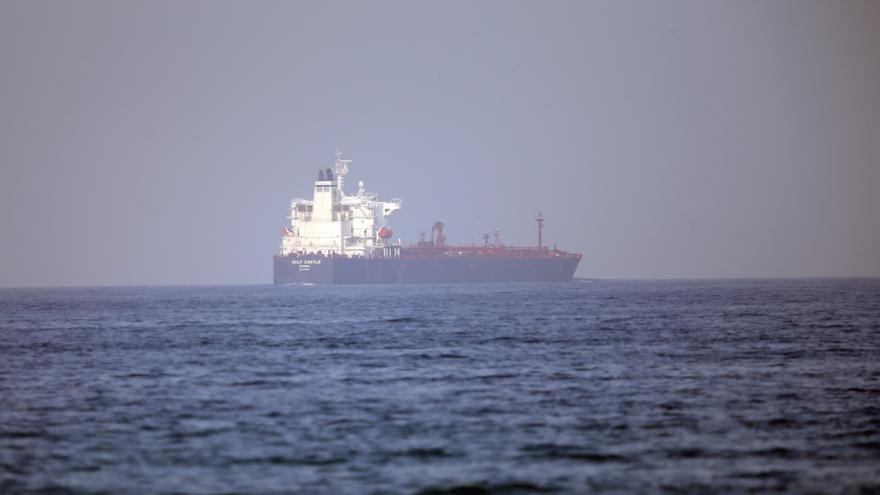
[[340, 168]]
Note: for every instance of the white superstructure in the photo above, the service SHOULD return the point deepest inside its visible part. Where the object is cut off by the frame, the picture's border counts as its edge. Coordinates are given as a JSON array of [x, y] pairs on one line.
[[334, 223]]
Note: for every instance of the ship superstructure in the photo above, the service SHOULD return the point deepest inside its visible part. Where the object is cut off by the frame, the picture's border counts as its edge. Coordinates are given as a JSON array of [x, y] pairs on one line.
[[340, 238], [334, 223]]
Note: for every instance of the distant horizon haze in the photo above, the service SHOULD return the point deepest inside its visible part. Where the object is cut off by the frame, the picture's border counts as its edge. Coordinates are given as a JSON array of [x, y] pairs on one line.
[[160, 143]]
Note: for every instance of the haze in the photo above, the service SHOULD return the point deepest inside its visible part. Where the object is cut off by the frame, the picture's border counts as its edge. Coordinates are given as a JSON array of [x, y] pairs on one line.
[[160, 142]]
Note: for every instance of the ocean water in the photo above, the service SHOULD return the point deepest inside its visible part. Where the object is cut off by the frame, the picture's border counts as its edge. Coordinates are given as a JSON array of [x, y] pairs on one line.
[[582, 387]]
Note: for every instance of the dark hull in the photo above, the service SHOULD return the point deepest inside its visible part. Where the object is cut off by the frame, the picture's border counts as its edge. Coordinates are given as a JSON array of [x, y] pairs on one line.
[[323, 270]]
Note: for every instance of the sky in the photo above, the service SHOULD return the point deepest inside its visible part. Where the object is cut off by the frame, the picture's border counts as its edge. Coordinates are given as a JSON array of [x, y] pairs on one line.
[[146, 143]]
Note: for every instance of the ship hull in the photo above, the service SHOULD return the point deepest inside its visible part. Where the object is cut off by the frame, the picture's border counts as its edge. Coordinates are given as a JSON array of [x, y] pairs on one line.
[[339, 270]]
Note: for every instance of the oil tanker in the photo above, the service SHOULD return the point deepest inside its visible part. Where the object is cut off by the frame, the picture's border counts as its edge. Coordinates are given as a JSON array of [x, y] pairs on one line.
[[341, 238]]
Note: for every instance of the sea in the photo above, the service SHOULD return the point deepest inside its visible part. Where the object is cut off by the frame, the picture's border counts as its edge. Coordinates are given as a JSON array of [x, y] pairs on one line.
[[592, 386]]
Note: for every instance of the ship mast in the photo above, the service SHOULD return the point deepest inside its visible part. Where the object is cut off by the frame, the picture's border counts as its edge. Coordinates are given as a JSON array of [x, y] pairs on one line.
[[540, 220], [340, 169]]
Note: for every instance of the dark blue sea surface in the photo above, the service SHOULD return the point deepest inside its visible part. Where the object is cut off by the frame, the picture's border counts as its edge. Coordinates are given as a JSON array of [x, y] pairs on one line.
[[582, 387]]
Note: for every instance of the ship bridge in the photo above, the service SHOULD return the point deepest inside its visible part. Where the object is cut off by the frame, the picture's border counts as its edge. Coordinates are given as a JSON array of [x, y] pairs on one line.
[[334, 223]]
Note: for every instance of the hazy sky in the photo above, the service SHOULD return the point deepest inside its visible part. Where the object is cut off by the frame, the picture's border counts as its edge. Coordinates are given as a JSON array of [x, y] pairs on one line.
[[160, 142]]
